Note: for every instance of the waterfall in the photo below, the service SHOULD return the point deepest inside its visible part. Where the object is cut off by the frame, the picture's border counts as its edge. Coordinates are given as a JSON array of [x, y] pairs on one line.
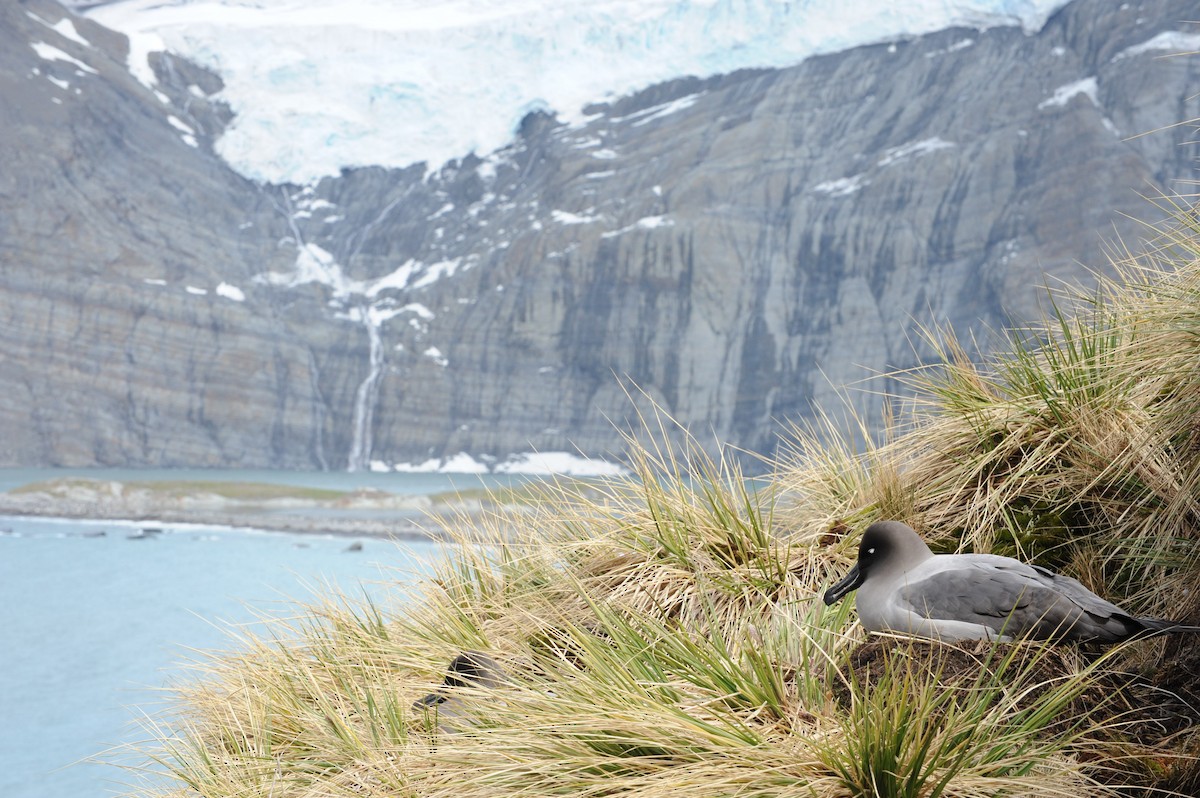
[[368, 391]]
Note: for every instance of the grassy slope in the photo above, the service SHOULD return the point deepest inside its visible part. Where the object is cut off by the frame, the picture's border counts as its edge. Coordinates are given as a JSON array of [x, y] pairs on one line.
[[665, 635]]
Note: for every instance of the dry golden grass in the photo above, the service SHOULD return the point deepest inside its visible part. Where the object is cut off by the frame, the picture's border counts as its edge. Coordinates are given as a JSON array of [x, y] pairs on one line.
[[663, 635]]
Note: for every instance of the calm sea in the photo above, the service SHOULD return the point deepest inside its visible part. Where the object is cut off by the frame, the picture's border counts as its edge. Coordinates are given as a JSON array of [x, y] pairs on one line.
[[97, 617]]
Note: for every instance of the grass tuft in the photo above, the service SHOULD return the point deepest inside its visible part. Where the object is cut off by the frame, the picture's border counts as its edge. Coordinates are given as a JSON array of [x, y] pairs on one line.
[[662, 634]]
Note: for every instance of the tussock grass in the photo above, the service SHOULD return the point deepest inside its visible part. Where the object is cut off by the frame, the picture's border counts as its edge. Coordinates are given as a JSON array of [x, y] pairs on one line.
[[662, 634]]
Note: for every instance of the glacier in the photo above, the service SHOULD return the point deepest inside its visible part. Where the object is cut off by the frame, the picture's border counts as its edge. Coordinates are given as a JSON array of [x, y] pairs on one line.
[[319, 86]]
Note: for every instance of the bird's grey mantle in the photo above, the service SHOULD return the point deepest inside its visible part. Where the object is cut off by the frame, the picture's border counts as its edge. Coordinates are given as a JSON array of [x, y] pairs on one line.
[[738, 247]]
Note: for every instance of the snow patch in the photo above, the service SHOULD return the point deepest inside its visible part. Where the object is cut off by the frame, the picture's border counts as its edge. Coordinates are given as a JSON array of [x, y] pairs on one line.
[[560, 463], [961, 44], [180, 125], [231, 292], [462, 463], [49, 52], [65, 27], [193, 290], [1172, 41], [397, 280], [435, 354], [419, 309], [648, 115], [442, 211], [531, 463], [436, 271], [645, 223], [314, 265], [917, 148], [1064, 94], [565, 217], [842, 187]]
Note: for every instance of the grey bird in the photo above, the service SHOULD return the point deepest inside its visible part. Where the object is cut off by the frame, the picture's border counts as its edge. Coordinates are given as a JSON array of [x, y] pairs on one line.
[[468, 669], [904, 587]]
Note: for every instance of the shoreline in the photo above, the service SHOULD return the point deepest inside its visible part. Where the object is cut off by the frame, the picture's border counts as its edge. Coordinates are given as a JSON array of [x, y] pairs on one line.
[[376, 529], [347, 515]]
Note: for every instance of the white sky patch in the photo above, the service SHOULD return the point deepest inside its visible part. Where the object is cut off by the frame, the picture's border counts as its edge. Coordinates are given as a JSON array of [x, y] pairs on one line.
[[231, 292], [916, 148], [842, 187], [1064, 94], [645, 223], [566, 217], [51, 53], [1172, 41]]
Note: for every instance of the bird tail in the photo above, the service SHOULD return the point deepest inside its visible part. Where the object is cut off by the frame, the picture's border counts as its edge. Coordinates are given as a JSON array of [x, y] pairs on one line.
[[1157, 626]]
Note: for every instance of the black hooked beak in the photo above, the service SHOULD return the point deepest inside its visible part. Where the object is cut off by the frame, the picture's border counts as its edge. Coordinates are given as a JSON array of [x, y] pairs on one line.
[[851, 582], [431, 700]]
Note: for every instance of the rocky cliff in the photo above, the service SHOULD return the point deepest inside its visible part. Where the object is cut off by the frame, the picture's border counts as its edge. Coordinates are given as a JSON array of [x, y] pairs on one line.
[[739, 248]]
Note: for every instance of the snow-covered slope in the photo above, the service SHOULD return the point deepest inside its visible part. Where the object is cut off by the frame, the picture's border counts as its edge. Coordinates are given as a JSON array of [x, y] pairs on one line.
[[319, 85]]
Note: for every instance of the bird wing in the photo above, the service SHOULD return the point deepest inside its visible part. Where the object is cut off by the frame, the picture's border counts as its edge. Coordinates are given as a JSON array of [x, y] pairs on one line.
[[1016, 600]]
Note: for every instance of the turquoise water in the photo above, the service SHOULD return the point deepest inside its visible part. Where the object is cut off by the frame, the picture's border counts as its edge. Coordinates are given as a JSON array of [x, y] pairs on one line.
[[96, 618]]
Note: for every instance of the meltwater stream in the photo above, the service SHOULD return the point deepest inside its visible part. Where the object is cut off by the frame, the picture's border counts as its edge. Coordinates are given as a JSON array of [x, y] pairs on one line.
[[96, 617]]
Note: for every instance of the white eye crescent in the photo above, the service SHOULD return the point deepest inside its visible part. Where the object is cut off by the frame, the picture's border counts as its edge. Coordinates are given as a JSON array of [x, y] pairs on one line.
[[871, 551]]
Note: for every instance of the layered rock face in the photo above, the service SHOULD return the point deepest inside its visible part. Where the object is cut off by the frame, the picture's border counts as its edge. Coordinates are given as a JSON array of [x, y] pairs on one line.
[[735, 250], [117, 227]]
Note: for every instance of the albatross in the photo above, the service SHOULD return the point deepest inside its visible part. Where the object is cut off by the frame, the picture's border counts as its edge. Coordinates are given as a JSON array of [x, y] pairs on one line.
[[904, 587]]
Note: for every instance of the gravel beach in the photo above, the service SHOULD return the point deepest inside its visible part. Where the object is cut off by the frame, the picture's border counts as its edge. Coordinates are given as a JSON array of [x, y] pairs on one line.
[[360, 513]]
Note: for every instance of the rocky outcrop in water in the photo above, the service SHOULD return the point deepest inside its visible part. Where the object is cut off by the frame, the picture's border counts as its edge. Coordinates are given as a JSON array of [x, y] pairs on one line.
[[739, 248]]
